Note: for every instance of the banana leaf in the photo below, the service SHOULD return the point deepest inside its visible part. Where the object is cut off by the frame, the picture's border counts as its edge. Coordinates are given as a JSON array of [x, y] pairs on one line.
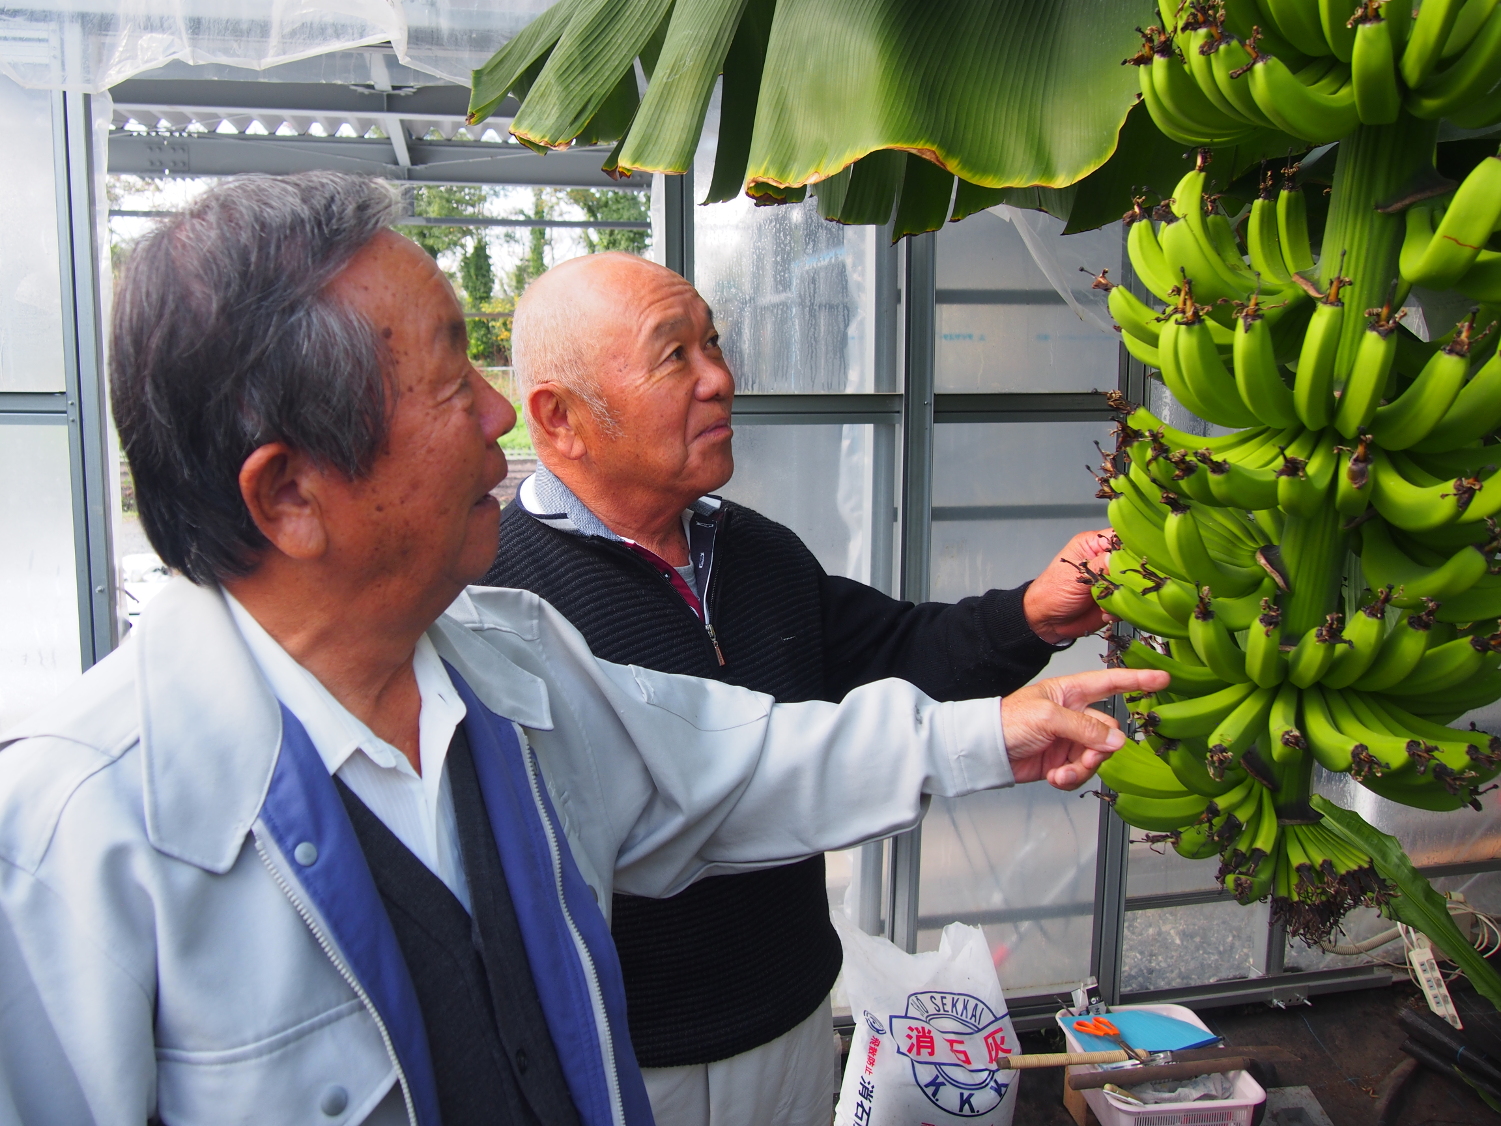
[[1000, 93], [1416, 903]]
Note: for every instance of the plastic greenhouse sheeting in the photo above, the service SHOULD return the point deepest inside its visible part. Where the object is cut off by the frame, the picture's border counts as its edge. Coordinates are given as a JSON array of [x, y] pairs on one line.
[[90, 47]]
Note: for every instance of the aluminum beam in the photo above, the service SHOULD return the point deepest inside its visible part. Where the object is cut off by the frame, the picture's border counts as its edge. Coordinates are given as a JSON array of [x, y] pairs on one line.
[[298, 97], [434, 162]]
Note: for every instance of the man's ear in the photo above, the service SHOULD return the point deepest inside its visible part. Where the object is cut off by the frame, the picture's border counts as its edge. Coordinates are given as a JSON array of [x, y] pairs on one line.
[[280, 488], [554, 415]]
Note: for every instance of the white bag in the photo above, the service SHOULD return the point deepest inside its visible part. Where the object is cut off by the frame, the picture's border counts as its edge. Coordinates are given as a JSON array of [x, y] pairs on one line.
[[929, 1029]]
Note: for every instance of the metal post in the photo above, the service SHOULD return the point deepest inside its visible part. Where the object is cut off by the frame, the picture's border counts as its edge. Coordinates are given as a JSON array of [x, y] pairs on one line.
[[1112, 853], [1107, 945], [677, 207], [83, 350], [916, 529]]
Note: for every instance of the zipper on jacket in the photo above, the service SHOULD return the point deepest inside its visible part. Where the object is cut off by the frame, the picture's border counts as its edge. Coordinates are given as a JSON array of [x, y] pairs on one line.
[[344, 971], [679, 599], [596, 994]]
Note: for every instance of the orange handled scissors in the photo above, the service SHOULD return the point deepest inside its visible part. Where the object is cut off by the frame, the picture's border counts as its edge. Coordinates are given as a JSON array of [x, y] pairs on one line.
[[1099, 1026]]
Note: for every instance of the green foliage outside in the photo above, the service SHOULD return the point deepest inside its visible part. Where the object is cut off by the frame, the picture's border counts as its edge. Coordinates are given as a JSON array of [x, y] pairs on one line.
[[613, 206], [485, 291]]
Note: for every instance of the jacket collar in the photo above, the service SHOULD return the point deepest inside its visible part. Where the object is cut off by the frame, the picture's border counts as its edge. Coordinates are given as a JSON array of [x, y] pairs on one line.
[[547, 500], [211, 730]]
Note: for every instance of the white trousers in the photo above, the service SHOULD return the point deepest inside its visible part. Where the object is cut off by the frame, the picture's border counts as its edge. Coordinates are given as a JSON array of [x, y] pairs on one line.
[[789, 1082]]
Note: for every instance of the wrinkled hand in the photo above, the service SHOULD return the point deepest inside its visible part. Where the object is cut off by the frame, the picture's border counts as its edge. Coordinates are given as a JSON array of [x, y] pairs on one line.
[[1058, 606], [1051, 732]]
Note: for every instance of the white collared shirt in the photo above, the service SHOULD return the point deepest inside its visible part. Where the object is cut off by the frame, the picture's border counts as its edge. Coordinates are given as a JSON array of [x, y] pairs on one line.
[[417, 808]]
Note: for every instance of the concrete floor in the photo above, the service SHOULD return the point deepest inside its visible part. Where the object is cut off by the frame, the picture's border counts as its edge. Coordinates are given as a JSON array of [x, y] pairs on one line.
[[1348, 1043]]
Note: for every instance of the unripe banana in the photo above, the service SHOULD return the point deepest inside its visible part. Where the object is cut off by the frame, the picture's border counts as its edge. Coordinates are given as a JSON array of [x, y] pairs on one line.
[[1314, 653], [1136, 770], [1313, 385], [1385, 564], [1472, 76], [1384, 753], [1140, 610], [1338, 28], [1373, 67], [1420, 408], [1189, 767], [1266, 664], [1365, 631], [1258, 377], [1292, 228], [1262, 240], [1334, 750], [1297, 21], [1417, 508], [1298, 109], [1400, 652], [1212, 641], [1427, 38], [1204, 371], [1352, 480], [1187, 680], [1366, 383], [1444, 667], [1146, 255], [1184, 719], [1462, 233], [1238, 730], [1158, 815]]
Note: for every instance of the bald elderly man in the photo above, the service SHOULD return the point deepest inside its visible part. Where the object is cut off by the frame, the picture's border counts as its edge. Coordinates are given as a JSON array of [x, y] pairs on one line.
[[628, 396]]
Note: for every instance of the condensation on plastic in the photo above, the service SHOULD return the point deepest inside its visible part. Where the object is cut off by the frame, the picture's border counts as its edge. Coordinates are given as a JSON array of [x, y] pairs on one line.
[[1023, 345], [1027, 854], [1193, 945], [1021, 863], [39, 654], [816, 480], [53, 46], [31, 308], [793, 294], [1428, 837]]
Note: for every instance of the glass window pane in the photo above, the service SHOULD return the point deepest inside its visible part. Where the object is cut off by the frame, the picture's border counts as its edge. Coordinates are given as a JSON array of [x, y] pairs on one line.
[[1194, 945], [825, 482], [1002, 326], [39, 646], [31, 308]]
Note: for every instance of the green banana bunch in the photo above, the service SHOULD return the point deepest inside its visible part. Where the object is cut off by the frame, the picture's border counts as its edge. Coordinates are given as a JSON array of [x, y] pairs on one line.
[[1310, 69], [1316, 577]]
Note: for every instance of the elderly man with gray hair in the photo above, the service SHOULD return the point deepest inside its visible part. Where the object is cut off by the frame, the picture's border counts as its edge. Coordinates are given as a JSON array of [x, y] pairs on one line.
[[628, 396], [332, 837]]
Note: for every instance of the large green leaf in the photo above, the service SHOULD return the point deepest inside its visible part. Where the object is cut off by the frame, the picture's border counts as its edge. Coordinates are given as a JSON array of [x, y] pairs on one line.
[[667, 125], [1416, 903], [1001, 93]]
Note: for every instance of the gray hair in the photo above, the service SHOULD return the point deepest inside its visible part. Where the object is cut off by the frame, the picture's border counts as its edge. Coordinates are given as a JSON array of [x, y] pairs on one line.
[[225, 338], [551, 343]]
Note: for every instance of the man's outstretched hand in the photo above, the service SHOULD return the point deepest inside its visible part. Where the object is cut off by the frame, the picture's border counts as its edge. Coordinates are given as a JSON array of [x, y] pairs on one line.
[[1058, 606], [1051, 732]]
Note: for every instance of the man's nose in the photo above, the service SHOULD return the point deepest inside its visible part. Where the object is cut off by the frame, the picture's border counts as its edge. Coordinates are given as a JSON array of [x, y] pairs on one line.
[[714, 380], [497, 416]]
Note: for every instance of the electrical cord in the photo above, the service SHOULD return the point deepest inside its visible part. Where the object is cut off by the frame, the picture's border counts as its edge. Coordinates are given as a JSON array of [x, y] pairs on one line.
[[1487, 940]]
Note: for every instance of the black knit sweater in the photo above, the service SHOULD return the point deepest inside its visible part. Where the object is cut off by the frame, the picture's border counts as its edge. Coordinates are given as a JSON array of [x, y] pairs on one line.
[[735, 961]]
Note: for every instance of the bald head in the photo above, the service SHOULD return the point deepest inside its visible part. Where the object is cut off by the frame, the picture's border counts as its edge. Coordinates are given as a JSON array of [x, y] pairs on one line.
[[626, 390], [563, 323]]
